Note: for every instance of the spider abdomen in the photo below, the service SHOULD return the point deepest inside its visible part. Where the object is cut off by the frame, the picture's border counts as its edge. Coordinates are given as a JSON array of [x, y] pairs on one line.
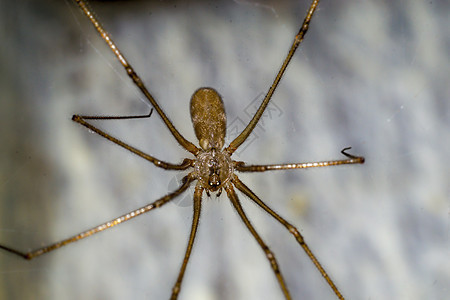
[[209, 119]]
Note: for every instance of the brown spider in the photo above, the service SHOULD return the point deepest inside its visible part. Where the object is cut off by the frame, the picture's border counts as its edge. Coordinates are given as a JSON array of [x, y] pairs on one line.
[[212, 166]]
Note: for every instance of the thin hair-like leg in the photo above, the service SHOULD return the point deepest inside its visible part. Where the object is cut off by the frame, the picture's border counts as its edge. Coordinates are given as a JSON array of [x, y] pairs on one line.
[[294, 231], [135, 78], [269, 254], [297, 40], [186, 163], [195, 219], [187, 180], [119, 117], [352, 159]]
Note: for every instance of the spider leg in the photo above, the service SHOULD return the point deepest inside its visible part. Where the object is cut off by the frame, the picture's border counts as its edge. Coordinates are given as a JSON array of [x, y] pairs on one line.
[[269, 254], [186, 163], [297, 40], [118, 117], [197, 208], [352, 159], [135, 78], [294, 231], [344, 151], [187, 180]]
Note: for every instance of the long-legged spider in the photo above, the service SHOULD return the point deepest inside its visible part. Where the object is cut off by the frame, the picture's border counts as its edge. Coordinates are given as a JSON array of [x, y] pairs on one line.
[[212, 167]]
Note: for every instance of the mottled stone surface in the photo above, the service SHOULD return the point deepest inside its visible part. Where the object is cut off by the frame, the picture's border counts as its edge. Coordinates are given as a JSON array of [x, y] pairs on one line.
[[371, 74]]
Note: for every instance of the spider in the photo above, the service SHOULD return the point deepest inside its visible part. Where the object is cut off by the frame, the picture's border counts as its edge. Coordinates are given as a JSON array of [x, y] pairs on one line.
[[212, 167]]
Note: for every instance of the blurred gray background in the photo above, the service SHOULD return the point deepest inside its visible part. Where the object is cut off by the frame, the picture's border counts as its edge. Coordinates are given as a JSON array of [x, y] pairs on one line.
[[370, 74]]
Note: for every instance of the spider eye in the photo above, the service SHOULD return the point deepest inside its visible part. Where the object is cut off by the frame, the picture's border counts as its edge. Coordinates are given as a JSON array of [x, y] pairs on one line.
[[214, 181]]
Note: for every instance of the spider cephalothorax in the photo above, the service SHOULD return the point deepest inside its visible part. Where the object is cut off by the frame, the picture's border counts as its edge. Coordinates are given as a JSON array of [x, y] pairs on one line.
[[213, 169]]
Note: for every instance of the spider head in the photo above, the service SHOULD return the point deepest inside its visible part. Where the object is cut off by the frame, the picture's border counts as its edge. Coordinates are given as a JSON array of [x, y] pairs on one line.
[[213, 169]]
